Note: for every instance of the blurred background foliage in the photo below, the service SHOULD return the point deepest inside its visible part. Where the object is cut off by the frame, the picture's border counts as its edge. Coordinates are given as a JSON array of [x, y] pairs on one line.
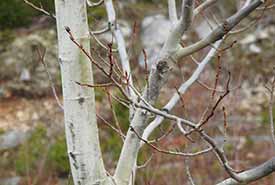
[[15, 13]]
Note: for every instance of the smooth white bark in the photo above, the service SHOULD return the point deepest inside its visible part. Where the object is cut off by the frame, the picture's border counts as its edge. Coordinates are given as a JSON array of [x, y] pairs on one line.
[[220, 31], [79, 102], [172, 10]]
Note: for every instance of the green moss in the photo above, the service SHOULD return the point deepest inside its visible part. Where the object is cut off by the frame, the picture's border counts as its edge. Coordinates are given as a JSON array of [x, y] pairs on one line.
[[249, 142], [2, 131], [6, 37], [215, 166], [58, 157], [122, 114], [96, 14], [228, 147], [112, 141], [31, 151], [99, 94], [112, 146], [265, 117], [38, 148]]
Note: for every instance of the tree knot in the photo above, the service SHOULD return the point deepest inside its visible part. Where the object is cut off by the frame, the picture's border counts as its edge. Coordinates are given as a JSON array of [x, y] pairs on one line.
[[163, 66]]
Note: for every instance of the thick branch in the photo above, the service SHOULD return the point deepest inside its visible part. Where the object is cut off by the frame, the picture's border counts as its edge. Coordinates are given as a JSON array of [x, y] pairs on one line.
[[220, 31], [172, 11], [253, 174], [121, 44], [183, 88], [158, 76], [178, 30]]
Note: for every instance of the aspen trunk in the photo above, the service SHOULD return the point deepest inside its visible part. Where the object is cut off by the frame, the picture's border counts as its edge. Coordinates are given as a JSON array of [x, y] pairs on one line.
[[79, 102]]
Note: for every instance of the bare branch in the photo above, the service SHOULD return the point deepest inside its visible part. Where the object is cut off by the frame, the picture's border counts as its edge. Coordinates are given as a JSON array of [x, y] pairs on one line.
[[110, 125], [42, 56], [100, 43], [253, 174], [188, 173], [213, 109], [171, 152], [204, 6], [220, 31], [104, 30], [95, 85], [92, 4], [178, 30], [40, 9], [183, 88], [220, 155], [121, 44], [270, 106]]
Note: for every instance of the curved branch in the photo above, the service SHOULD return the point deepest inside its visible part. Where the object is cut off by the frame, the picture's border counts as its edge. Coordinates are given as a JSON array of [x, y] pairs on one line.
[[253, 174], [183, 88], [220, 31], [157, 78], [179, 29], [92, 4]]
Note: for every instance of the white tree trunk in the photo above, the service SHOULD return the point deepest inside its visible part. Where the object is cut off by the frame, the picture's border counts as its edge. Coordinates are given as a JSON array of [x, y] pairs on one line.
[[79, 102]]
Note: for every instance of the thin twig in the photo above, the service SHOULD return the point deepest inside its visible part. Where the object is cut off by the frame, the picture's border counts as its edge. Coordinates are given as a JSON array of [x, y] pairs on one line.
[[168, 151], [42, 56], [40, 9], [110, 125], [270, 107], [188, 173], [92, 4]]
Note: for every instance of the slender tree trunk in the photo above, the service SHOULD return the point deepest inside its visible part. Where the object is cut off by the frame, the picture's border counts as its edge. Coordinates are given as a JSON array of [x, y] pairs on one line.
[[79, 102]]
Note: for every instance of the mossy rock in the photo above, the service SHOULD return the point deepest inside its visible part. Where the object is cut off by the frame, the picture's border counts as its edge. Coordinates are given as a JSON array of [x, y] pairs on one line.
[[22, 68]]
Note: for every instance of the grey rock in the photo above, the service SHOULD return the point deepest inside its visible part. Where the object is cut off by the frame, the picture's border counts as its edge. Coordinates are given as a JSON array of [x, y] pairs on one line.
[[125, 29], [62, 181], [204, 28], [21, 68], [10, 181], [155, 30], [13, 138]]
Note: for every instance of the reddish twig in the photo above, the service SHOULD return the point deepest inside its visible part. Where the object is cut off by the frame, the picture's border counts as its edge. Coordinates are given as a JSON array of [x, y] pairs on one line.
[[95, 85], [110, 125], [218, 71], [168, 151], [113, 112]]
